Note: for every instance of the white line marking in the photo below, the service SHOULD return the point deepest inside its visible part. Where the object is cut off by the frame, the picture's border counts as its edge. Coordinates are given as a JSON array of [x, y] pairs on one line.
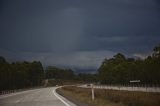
[[60, 98], [8, 95], [16, 93], [18, 101]]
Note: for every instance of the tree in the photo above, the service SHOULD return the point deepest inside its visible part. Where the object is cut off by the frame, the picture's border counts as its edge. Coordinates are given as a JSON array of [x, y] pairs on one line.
[[119, 70], [2, 59], [156, 51], [20, 74], [59, 73]]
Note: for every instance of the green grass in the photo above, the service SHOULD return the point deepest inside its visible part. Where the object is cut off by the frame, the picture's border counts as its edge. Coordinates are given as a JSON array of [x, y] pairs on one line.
[[112, 97]]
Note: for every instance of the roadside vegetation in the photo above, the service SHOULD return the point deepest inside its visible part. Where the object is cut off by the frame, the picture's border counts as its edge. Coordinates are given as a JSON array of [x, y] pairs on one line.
[[18, 75], [24, 74], [111, 97], [122, 70], [118, 70]]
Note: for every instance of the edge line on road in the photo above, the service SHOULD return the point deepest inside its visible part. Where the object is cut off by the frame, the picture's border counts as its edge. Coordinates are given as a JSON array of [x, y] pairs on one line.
[[60, 98], [15, 93]]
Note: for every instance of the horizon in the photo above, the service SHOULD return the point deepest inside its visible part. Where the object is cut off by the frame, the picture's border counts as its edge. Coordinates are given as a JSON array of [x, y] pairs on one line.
[[78, 70]]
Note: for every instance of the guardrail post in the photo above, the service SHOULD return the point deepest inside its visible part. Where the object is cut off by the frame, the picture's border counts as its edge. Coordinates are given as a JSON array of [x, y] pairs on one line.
[[92, 89]]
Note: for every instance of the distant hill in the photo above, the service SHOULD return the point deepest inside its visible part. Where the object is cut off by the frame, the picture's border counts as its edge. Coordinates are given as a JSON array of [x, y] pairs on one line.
[[78, 70]]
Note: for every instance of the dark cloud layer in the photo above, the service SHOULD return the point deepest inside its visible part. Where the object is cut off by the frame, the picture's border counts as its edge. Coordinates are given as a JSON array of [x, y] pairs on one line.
[[68, 32]]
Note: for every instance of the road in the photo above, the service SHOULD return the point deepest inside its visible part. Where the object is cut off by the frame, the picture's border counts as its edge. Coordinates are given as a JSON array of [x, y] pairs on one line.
[[36, 97]]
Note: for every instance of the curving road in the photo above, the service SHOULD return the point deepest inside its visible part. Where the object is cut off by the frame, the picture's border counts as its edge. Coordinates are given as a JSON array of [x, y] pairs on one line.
[[37, 97]]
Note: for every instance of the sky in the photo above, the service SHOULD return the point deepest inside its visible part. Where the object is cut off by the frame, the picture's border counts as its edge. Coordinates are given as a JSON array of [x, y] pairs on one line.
[[77, 34]]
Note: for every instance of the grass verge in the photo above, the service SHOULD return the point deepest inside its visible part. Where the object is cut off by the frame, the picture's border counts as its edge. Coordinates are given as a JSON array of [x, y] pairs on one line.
[[104, 97]]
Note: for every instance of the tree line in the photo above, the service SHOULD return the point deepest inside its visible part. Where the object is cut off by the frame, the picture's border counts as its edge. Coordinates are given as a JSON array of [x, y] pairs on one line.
[[122, 70], [116, 70], [18, 75], [56, 73]]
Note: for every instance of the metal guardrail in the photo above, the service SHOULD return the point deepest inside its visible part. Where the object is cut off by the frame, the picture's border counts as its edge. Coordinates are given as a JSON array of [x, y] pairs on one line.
[[128, 88]]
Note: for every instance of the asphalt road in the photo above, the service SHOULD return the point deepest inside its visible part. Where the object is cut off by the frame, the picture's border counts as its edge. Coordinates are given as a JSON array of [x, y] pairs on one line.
[[36, 97]]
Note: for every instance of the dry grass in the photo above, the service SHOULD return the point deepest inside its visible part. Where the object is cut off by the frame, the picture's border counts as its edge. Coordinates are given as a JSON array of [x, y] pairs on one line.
[[113, 97]]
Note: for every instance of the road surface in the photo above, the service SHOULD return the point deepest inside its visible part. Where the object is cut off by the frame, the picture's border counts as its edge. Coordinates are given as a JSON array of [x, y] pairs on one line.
[[36, 97]]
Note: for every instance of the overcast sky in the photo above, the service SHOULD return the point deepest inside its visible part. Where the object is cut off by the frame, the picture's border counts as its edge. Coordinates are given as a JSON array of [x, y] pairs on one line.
[[77, 33]]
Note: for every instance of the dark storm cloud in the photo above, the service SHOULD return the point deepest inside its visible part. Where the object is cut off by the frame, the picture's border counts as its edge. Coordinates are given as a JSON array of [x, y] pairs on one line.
[[77, 33]]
